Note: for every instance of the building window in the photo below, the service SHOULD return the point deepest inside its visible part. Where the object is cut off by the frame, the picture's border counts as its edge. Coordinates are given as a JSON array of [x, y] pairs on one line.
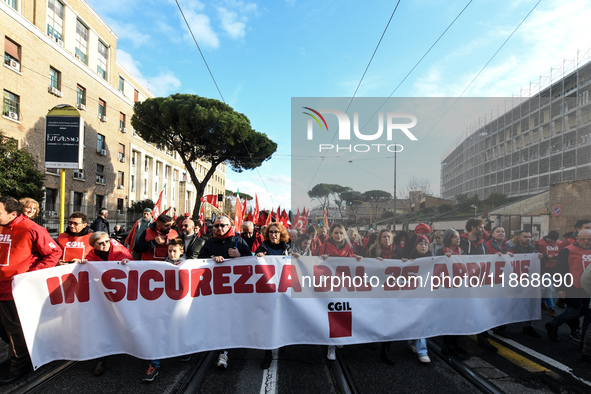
[[80, 96], [11, 3], [102, 109], [100, 173], [78, 200], [55, 78], [51, 200], [101, 67], [136, 96], [12, 54], [120, 206], [121, 153], [81, 42], [120, 179], [121, 84], [10, 105], [100, 142], [55, 19], [132, 183], [99, 203], [121, 121]]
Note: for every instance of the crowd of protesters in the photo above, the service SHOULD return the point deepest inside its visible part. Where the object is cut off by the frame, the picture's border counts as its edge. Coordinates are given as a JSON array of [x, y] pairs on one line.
[[174, 241]]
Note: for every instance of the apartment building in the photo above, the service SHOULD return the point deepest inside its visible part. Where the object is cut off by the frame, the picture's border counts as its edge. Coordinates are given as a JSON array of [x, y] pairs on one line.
[[543, 138], [62, 52]]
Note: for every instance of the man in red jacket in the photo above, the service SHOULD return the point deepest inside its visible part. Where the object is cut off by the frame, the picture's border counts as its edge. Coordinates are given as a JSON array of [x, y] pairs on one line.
[[153, 243], [75, 240], [573, 259], [24, 246]]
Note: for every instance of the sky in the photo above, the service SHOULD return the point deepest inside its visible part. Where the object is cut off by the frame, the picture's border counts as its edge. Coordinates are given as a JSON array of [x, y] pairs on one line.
[[264, 53]]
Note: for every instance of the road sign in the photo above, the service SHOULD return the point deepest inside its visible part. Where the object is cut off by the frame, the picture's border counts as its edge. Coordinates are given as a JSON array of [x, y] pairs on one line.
[[556, 210]]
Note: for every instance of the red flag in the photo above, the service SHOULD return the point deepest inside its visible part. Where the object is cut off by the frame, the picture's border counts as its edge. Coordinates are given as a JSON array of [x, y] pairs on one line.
[[249, 217], [158, 206], [325, 219], [278, 216], [306, 219], [238, 218], [261, 219], [211, 199], [256, 207], [268, 221], [244, 206], [201, 214], [284, 219], [297, 219]]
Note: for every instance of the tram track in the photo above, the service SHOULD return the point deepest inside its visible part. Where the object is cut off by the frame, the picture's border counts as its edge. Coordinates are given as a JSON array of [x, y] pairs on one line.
[[41, 380], [465, 371], [341, 374], [196, 375]]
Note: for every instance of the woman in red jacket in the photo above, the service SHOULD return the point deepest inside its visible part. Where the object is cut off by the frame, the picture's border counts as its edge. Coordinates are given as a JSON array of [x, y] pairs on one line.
[[336, 245], [497, 244], [105, 249]]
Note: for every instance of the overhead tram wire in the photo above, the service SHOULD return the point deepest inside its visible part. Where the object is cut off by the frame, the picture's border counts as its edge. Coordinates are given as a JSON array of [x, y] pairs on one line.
[[372, 56], [477, 75], [222, 96], [358, 85], [200, 52], [419, 61]]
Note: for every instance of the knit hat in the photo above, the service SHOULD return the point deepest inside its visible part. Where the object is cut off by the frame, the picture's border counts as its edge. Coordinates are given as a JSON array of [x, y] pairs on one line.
[[422, 228], [421, 238], [149, 210]]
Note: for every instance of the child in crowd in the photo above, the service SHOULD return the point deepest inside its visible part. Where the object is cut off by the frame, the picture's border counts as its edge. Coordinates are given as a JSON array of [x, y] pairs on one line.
[[176, 250]]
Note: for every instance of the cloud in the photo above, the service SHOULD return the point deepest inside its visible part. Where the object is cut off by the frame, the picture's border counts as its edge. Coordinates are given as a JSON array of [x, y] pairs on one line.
[[278, 196], [233, 17], [163, 84], [230, 23], [547, 37], [127, 31], [201, 28], [129, 63]]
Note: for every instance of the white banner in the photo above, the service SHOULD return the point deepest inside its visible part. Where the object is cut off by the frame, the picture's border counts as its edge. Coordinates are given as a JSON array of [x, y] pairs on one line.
[[157, 310]]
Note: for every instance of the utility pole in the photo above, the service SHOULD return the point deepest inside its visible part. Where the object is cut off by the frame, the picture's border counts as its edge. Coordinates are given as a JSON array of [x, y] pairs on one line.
[[394, 211]]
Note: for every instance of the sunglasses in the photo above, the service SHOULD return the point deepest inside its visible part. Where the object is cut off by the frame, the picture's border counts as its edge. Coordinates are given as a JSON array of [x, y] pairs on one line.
[[220, 225], [74, 223], [103, 242], [274, 232]]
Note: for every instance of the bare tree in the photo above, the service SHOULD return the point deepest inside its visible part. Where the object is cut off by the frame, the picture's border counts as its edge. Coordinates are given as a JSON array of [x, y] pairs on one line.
[[416, 189]]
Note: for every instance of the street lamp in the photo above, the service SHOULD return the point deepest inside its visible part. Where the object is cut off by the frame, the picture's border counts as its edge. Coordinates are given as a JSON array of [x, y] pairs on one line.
[[475, 210]]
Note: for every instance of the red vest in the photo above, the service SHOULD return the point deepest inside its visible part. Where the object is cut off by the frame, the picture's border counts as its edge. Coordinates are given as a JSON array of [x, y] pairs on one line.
[[74, 247], [545, 248], [578, 260], [160, 252]]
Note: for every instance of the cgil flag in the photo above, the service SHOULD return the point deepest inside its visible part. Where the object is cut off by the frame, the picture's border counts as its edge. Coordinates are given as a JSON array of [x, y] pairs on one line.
[[211, 199]]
